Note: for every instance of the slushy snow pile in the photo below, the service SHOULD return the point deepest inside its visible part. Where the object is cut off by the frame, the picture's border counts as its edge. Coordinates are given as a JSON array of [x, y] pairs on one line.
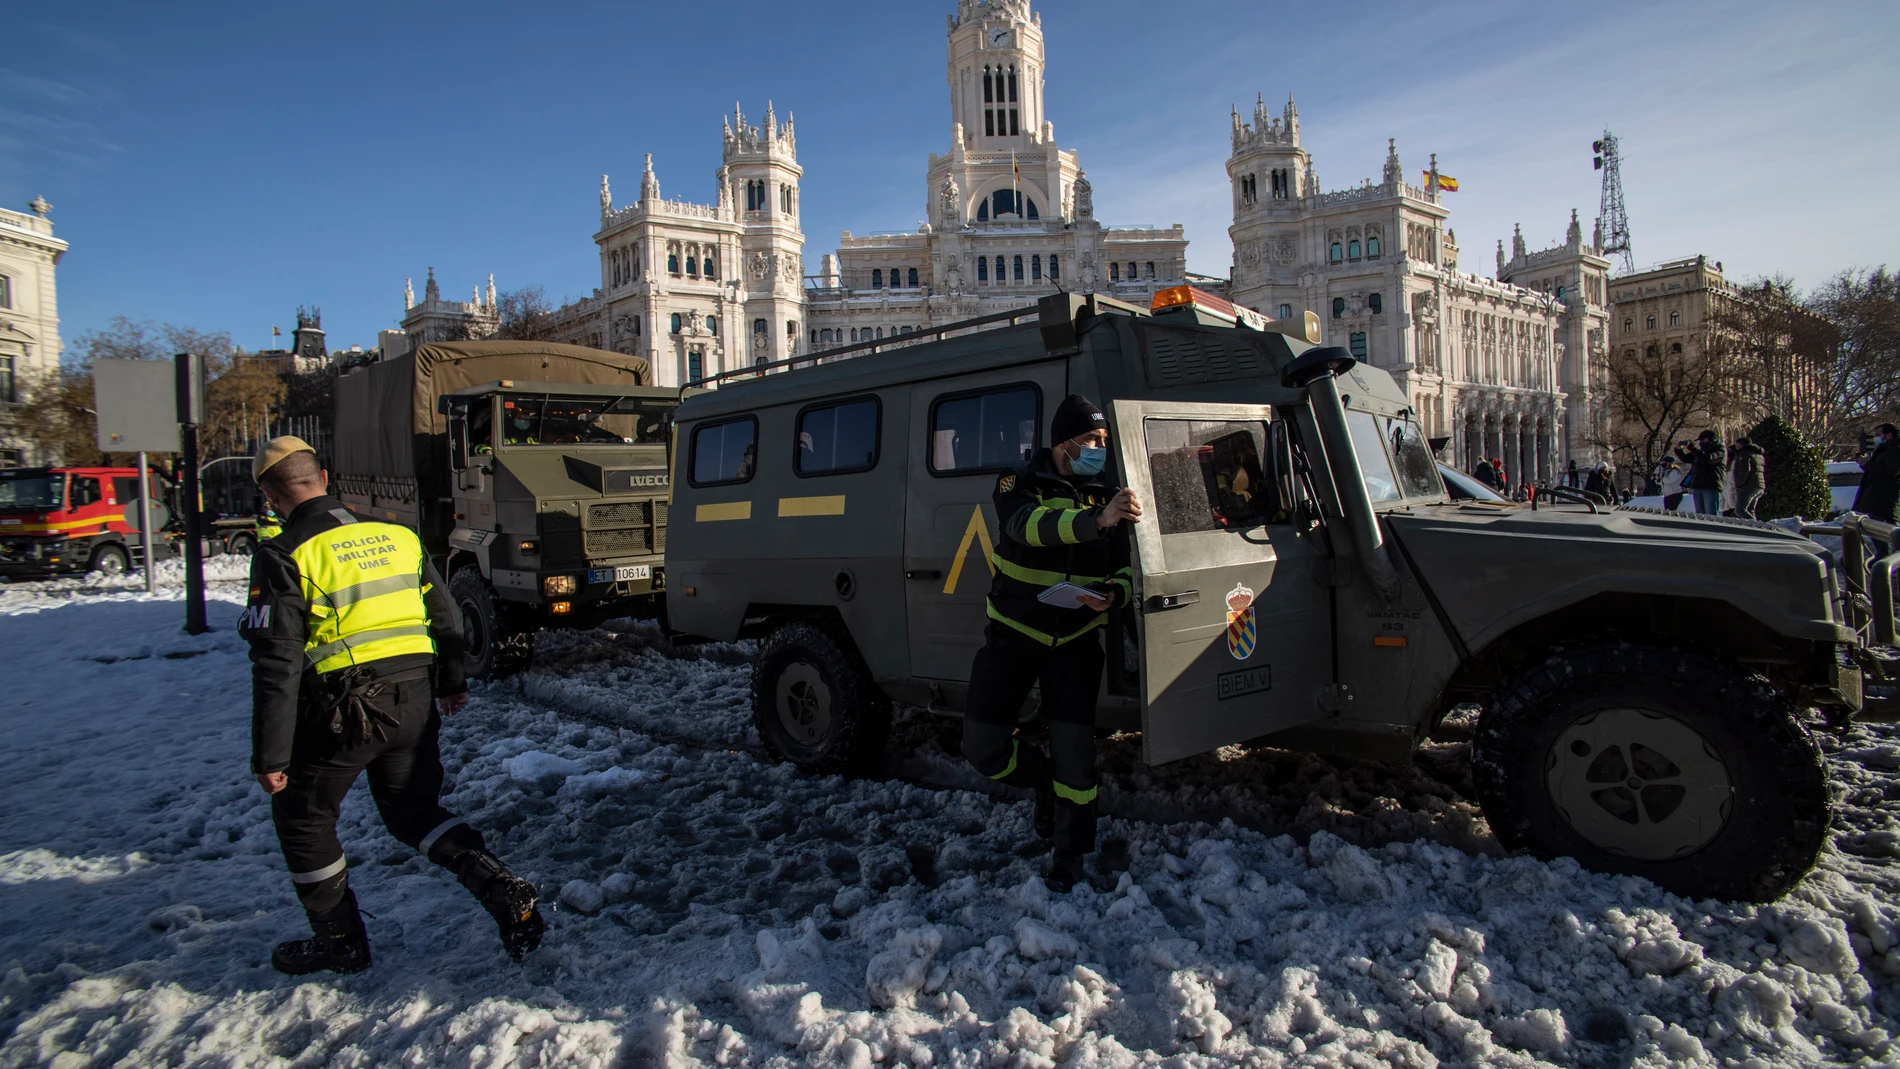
[[707, 907]]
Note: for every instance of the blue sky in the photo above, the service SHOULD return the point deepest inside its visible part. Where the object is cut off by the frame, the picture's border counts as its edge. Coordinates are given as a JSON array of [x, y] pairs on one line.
[[215, 165]]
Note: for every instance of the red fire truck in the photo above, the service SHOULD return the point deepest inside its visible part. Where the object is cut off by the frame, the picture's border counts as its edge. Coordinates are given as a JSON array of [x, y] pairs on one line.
[[59, 520]]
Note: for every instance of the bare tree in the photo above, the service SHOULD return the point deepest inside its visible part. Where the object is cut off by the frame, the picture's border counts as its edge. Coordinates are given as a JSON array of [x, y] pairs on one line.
[[1864, 377], [1653, 399], [60, 414], [526, 314], [1773, 355]]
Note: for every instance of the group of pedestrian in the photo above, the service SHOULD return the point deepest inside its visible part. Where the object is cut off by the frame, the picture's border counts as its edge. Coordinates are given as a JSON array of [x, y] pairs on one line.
[[1490, 472], [1710, 473]]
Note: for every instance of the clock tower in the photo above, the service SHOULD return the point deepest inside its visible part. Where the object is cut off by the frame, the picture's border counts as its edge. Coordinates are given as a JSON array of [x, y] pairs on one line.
[[996, 75]]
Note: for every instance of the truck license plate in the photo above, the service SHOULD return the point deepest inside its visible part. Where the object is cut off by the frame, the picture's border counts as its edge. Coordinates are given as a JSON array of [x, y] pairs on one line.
[[620, 574]]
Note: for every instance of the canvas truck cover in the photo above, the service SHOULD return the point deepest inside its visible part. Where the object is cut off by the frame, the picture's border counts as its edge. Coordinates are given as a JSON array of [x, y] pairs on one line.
[[386, 416]]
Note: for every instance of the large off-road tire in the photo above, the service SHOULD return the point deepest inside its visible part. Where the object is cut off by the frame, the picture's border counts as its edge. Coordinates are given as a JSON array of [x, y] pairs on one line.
[[109, 560], [494, 647], [814, 703], [1656, 762], [243, 545]]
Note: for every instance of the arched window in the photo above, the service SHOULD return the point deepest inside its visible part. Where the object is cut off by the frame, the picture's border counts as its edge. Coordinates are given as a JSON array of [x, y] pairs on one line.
[[1114, 271], [1055, 266], [1151, 269], [1372, 248], [1675, 348], [854, 335], [712, 325], [761, 328], [1376, 302], [1029, 208], [785, 199], [1629, 326], [708, 267], [913, 278], [1357, 343], [1339, 307], [673, 263], [880, 333], [1001, 274], [1352, 249], [1131, 270], [983, 210], [1286, 311], [1336, 254], [675, 322], [692, 267], [1019, 268], [1560, 291], [1649, 323], [814, 337], [1675, 318], [982, 269], [1650, 352], [1035, 267], [877, 278]]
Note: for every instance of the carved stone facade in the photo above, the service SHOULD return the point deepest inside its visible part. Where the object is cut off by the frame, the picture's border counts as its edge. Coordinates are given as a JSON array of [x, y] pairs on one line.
[[436, 320], [1010, 215], [29, 321], [1502, 369], [699, 289]]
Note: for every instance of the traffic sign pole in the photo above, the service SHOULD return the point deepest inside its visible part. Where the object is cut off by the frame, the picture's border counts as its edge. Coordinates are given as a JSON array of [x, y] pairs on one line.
[[145, 522], [191, 410]]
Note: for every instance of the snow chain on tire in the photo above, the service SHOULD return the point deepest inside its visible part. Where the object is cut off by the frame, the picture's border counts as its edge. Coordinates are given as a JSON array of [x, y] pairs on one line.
[[1655, 762], [509, 648]]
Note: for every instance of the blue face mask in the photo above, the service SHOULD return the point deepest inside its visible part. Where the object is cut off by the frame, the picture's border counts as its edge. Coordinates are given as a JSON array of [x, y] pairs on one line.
[[1090, 461]]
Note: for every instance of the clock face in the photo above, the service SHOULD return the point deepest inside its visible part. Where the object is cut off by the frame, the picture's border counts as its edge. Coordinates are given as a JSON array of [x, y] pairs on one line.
[[997, 37]]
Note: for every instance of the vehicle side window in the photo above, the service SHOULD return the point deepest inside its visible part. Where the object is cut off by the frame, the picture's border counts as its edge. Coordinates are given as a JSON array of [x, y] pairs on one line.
[[1212, 475], [85, 491], [1381, 484], [1418, 472], [838, 438], [990, 431], [125, 489], [725, 452]]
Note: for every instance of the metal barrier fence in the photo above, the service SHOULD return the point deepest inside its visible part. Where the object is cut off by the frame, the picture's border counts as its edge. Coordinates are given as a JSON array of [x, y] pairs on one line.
[[1870, 583]]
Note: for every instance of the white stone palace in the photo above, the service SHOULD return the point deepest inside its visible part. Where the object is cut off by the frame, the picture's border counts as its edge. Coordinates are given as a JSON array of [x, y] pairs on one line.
[[1502, 366], [29, 321], [1505, 367]]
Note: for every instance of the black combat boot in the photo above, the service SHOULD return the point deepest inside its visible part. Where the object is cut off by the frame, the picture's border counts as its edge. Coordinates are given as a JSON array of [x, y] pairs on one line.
[[1065, 871], [1045, 809], [339, 945], [507, 897]]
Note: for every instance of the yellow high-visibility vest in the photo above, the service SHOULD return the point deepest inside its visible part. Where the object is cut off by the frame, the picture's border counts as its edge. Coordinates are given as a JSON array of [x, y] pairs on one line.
[[363, 583]]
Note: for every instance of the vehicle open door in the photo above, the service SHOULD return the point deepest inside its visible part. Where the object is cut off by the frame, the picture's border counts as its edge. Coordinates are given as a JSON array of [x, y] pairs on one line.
[[1235, 632]]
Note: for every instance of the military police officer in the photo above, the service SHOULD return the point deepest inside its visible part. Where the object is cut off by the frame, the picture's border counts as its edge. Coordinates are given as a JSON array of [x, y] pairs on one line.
[[1058, 516], [354, 649]]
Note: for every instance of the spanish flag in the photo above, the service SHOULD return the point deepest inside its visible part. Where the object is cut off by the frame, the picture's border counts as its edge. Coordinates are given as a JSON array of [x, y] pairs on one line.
[[1445, 181]]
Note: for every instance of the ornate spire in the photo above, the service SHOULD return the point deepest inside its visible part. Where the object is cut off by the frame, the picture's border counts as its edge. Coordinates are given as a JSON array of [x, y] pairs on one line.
[[39, 207], [1517, 242], [1500, 256], [408, 294], [491, 290], [606, 196], [771, 122], [649, 183], [430, 291], [1574, 235], [1596, 235], [1394, 172]]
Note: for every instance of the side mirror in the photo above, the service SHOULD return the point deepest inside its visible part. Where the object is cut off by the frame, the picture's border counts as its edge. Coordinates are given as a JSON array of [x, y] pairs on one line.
[[458, 442]]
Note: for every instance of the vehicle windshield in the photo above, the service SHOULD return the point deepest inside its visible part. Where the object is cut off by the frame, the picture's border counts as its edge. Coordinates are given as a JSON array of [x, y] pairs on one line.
[[552, 420], [21, 492], [1408, 471]]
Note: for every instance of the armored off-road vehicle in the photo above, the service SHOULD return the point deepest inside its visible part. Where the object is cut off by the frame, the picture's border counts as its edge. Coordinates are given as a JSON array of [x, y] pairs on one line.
[[535, 474], [1303, 580]]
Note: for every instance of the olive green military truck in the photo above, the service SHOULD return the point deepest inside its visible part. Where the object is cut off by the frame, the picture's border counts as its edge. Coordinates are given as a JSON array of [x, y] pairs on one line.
[[1303, 580], [535, 473]]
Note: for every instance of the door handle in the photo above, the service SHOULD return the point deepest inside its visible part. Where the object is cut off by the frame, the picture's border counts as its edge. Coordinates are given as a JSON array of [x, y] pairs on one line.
[[930, 573], [1164, 602]]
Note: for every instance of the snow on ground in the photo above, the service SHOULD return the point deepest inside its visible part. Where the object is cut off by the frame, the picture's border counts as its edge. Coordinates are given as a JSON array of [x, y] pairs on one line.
[[707, 907]]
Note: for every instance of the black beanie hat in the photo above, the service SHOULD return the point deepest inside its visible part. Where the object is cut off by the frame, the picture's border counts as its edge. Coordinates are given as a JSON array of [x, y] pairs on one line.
[[1075, 416]]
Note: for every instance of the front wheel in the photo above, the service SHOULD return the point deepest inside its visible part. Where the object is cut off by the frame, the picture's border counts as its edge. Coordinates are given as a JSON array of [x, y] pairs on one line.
[[1655, 762], [492, 648], [813, 702], [108, 560]]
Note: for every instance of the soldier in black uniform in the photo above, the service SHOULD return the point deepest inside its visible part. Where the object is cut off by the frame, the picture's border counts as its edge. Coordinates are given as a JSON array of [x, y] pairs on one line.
[[1059, 520], [354, 648]]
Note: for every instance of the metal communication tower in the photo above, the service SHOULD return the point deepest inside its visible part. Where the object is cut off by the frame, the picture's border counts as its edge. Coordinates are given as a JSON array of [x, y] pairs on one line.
[[1615, 220]]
